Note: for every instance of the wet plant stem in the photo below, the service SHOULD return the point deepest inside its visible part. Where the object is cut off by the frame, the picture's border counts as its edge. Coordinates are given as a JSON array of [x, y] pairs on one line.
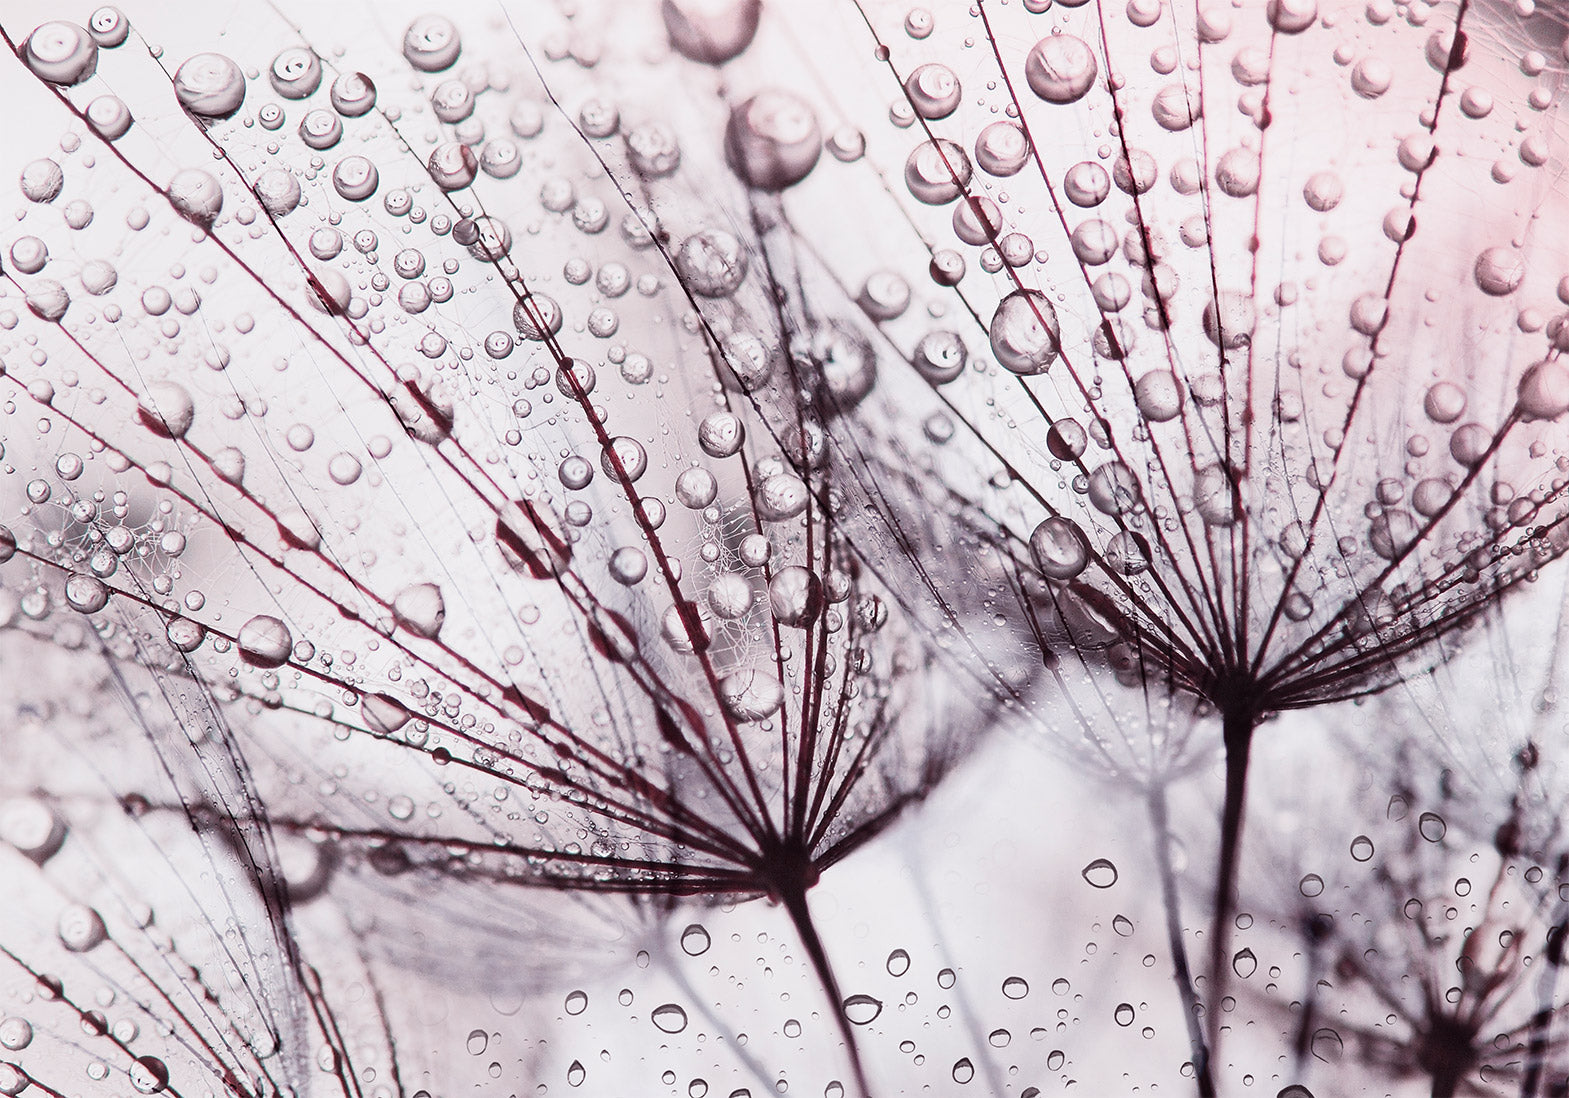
[[1182, 971], [794, 901], [1542, 1020], [1239, 720]]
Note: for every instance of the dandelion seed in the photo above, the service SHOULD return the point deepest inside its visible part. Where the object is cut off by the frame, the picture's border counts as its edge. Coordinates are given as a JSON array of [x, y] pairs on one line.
[[576, 600], [1240, 491]]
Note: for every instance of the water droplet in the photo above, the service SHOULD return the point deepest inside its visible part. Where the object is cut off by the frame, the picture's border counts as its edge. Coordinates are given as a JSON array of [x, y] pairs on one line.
[[861, 1010], [695, 940], [1100, 873], [773, 141], [1024, 332], [669, 1018], [1244, 963], [420, 609], [61, 53], [431, 43], [265, 642], [209, 85], [1061, 68]]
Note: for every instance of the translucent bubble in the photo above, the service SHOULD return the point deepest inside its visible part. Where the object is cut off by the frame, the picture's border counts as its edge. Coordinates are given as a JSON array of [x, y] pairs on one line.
[[196, 195], [937, 171], [772, 140], [1215, 496], [933, 90], [353, 94], [32, 828], [625, 456], [420, 610], [1230, 321], [15, 1033], [295, 72], [781, 497], [1114, 489], [167, 409], [1128, 552], [711, 263], [109, 117], [1159, 395], [1544, 391], [1291, 16], [321, 129], [13, 1080], [487, 238], [48, 300], [847, 364], [720, 434], [81, 929], [452, 166], [209, 85], [1061, 68], [29, 254], [1086, 184], [1323, 191], [940, 356], [668, 1018], [278, 190], [86, 594], [1002, 149], [795, 596], [695, 940], [500, 158], [355, 178], [885, 295], [696, 488], [431, 43], [1066, 439], [1499, 271], [729, 596], [1094, 242], [1372, 77], [108, 26], [148, 1074], [1024, 332], [265, 642], [1445, 402], [185, 635], [1237, 172], [628, 565], [452, 101], [860, 1010], [78, 213], [42, 181], [1135, 171], [1059, 549], [61, 53], [1175, 107], [711, 31], [1100, 873]]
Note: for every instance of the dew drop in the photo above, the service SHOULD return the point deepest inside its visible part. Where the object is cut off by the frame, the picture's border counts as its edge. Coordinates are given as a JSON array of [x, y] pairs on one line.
[[1100, 873], [265, 642], [209, 85], [860, 1010], [695, 940], [61, 53], [668, 1018]]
